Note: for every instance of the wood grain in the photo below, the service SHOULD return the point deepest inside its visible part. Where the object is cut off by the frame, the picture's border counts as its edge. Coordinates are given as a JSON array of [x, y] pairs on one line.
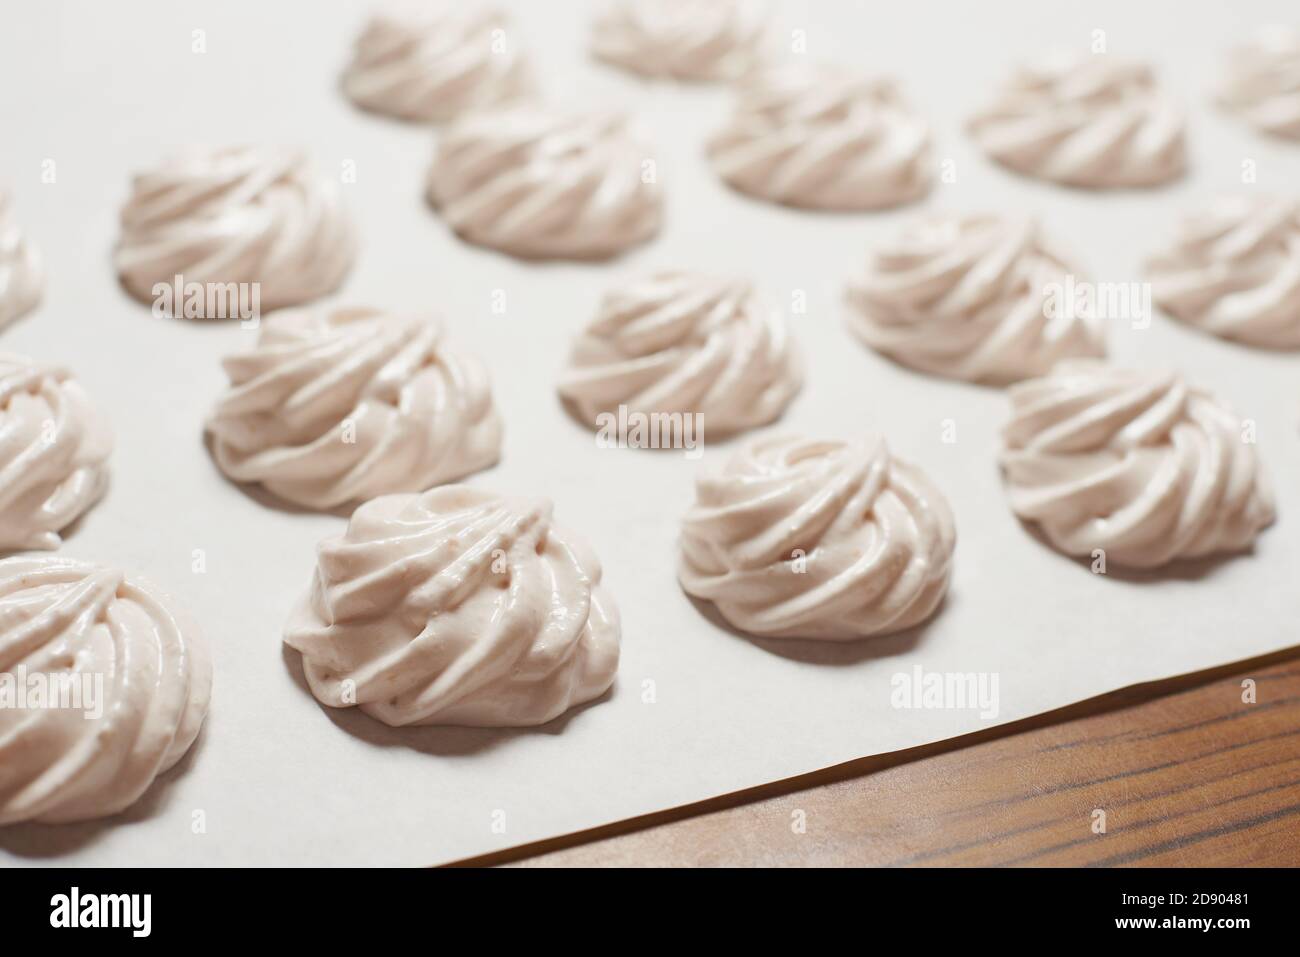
[[1186, 772]]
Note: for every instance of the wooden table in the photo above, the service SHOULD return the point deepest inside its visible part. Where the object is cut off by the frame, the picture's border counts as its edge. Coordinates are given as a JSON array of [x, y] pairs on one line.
[[1180, 773]]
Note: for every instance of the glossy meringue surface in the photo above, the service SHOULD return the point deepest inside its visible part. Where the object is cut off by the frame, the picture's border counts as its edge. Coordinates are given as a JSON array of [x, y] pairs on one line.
[[1233, 270], [1133, 463], [54, 449], [456, 606], [695, 40], [821, 137], [1261, 82], [969, 297], [434, 60], [22, 273], [236, 215], [685, 342], [541, 183], [795, 537], [147, 678], [338, 405], [1095, 120]]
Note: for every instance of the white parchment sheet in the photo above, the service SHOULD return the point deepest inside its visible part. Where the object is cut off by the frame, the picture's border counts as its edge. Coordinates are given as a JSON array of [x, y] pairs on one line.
[[104, 89]]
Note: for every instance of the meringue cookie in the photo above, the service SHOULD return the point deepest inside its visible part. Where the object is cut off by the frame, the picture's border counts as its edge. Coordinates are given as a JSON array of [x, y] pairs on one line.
[[21, 273], [542, 184], [54, 450], [433, 61], [1095, 120], [823, 138], [805, 538], [1263, 82], [681, 342], [238, 215], [132, 676], [456, 606], [339, 405], [1234, 271], [685, 39], [1136, 464], [968, 297]]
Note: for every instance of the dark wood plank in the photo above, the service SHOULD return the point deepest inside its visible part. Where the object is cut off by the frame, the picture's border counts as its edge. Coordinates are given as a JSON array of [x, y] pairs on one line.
[[1185, 771]]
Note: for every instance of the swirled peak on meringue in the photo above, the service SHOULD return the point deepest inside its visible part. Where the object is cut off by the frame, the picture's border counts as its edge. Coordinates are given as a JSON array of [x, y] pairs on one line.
[[129, 673], [543, 184], [435, 60], [245, 215], [684, 342], [456, 606], [54, 448], [820, 137], [22, 275], [1135, 465], [796, 537], [1094, 120], [970, 297], [1233, 270], [340, 405], [696, 40], [1262, 82]]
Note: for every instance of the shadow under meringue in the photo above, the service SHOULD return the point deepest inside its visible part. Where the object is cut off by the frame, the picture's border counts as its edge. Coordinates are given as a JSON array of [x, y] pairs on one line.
[[819, 651], [434, 740], [1180, 569], [36, 840]]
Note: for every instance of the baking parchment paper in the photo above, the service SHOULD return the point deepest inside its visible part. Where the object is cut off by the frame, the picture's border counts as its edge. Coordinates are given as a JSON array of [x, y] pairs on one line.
[[93, 92]]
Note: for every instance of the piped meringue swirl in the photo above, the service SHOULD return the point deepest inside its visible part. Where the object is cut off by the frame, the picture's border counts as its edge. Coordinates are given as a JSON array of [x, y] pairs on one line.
[[969, 297], [1262, 82], [236, 215], [22, 275], [1233, 270], [1136, 464], [819, 137], [541, 184], [54, 449], [134, 671], [338, 405], [1096, 121], [682, 342], [698, 40], [803, 538], [456, 606], [434, 61]]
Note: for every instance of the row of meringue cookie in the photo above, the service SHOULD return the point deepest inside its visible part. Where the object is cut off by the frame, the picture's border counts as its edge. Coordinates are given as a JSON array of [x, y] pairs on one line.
[[728, 39], [984, 298], [427, 609], [794, 537], [538, 183], [459, 606], [1232, 270], [821, 136], [543, 183], [341, 405], [435, 61]]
